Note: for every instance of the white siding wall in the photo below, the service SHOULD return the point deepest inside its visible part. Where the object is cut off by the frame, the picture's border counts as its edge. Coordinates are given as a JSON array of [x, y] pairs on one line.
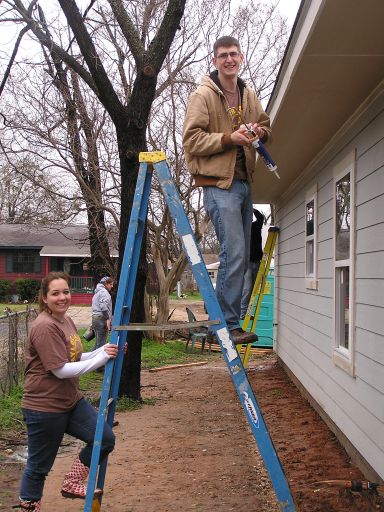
[[305, 317]]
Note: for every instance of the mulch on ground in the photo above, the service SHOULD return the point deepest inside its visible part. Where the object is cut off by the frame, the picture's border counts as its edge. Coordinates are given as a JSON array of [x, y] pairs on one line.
[[308, 450]]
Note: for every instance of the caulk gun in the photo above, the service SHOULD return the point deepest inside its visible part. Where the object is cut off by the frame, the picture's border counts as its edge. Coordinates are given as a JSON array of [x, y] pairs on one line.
[[264, 155]]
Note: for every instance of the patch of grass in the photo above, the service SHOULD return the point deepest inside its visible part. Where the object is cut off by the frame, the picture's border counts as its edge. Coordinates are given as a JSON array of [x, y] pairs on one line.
[[16, 307], [91, 382], [187, 296], [277, 392], [127, 404], [87, 345], [173, 352], [11, 418]]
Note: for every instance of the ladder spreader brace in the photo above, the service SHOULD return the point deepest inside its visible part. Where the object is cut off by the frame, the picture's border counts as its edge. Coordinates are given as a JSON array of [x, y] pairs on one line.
[[165, 327], [155, 163]]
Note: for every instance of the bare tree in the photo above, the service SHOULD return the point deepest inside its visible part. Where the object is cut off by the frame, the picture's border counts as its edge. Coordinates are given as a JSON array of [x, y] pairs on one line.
[[140, 61], [148, 45], [166, 252], [82, 134], [28, 196], [56, 122]]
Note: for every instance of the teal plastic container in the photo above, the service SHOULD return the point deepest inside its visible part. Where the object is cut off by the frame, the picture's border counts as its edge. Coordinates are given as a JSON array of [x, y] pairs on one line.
[[264, 325]]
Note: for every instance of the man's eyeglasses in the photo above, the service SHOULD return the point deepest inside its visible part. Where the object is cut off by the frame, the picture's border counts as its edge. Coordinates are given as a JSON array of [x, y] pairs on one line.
[[224, 56]]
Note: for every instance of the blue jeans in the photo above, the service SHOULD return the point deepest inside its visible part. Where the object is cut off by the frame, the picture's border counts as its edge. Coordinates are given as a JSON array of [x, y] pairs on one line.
[[99, 324], [249, 281], [45, 433], [231, 214]]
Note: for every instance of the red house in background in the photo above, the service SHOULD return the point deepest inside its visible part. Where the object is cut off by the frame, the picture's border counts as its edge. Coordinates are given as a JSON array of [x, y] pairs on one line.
[[33, 251]]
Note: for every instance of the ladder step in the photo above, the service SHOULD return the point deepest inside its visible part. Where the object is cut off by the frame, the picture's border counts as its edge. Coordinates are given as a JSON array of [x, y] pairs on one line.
[[165, 327]]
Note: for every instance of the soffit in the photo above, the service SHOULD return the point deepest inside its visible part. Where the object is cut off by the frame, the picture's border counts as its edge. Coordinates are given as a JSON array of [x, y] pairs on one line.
[[340, 64]]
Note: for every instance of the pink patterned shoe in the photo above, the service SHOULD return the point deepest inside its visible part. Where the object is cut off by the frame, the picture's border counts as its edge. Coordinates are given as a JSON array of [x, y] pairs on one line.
[[29, 505], [73, 485]]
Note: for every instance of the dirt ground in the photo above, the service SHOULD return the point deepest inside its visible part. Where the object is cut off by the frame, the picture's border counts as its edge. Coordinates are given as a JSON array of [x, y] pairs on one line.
[[193, 450]]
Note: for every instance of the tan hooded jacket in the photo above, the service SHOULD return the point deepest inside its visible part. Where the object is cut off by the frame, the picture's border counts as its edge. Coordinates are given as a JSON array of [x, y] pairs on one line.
[[209, 152]]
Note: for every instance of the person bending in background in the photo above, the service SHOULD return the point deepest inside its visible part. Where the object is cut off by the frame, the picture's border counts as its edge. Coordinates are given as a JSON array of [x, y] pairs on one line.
[[255, 256], [102, 311], [52, 403]]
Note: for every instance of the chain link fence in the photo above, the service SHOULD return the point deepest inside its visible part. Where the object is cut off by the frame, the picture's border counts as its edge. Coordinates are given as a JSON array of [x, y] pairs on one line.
[[14, 328]]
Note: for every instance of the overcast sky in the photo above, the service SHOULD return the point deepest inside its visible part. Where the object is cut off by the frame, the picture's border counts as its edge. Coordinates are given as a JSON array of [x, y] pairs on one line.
[[289, 8]]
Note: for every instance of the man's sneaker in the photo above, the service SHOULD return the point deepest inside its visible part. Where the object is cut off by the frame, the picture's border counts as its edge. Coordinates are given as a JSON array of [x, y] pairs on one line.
[[241, 337]]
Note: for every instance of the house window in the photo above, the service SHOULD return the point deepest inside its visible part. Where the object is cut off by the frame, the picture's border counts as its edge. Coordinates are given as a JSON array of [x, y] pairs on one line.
[[311, 238], [23, 262], [342, 304], [56, 264], [344, 220]]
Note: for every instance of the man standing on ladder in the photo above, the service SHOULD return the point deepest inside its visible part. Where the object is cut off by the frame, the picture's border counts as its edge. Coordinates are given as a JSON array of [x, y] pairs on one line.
[[220, 116]]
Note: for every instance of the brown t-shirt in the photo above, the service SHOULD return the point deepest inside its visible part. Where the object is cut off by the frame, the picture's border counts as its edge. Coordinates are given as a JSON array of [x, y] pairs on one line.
[[51, 344]]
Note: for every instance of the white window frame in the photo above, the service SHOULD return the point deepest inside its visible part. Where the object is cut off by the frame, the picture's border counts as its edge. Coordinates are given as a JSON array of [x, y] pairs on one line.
[[345, 357], [311, 281]]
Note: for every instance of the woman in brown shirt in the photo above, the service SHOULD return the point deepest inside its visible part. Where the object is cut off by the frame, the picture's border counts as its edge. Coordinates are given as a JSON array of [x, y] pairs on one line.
[[52, 403]]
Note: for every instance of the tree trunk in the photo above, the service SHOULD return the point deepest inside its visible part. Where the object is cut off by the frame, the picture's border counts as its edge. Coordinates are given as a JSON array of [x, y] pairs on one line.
[[129, 148]]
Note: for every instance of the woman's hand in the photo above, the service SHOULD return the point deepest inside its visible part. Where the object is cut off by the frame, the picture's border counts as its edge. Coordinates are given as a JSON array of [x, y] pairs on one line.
[[111, 349]]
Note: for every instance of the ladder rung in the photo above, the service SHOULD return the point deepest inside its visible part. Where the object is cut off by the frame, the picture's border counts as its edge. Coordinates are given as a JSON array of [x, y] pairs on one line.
[[165, 327]]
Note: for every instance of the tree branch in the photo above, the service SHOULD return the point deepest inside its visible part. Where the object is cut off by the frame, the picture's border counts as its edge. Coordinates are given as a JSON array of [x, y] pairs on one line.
[[12, 59], [161, 43], [172, 74], [106, 92], [48, 42], [129, 31]]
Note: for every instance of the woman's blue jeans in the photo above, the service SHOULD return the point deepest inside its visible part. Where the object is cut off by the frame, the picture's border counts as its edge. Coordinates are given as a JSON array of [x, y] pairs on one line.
[[231, 214], [45, 433]]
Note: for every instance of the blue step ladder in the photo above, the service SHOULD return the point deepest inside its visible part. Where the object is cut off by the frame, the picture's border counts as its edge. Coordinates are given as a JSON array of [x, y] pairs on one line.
[[155, 163]]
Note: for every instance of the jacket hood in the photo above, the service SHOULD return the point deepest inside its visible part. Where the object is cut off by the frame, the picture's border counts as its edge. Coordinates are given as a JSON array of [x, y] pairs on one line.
[[212, 81], [99, 287], [207, 81]]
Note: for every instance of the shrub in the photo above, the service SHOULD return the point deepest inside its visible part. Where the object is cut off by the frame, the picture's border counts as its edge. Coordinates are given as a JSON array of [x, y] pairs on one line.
[[27, 288], [5, 288]]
